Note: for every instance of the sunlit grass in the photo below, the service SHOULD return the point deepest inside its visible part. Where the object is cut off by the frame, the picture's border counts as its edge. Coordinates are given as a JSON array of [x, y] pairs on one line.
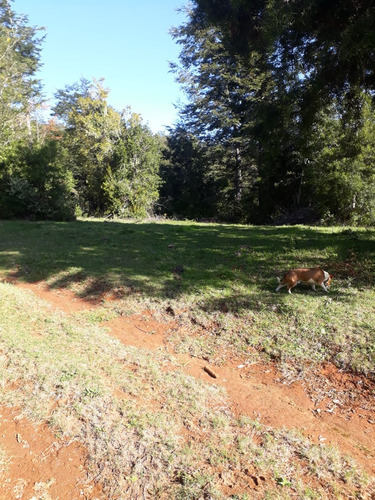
[[218, 280], [149, 429]]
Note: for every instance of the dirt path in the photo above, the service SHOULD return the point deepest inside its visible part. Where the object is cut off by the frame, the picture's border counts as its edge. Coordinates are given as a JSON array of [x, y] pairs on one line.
[[42, 466], [253, 391]]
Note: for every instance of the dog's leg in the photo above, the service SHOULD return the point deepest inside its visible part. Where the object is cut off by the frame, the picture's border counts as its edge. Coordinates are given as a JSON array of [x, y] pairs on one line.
[[313, 287], [324, 287], [279, 287], [292, 285]]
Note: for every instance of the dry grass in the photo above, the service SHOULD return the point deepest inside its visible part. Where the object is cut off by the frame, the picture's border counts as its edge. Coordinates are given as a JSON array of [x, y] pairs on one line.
[[150, 430]]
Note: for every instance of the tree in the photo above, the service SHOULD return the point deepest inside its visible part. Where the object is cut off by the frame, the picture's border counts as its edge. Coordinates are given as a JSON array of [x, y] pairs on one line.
[[113, 156], [132, 180], [221, 111], [19, 88], [36, 183], [341, 175], [33, 179], [92, 128], [187, 188], [330, 43], [259, 76]]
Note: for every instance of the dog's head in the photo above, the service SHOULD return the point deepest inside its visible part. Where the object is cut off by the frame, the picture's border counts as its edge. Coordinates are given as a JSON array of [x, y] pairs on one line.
[[328, 280]]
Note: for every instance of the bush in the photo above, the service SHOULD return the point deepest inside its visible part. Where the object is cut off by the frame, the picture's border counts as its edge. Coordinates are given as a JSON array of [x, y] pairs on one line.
[[35, 183]]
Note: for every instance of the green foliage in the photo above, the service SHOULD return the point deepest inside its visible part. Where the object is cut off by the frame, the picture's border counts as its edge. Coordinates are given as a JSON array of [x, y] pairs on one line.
[[131, 185], [258, 77], [33, 179], [220, 114], [277, 121], [342, 174], [187, 188], [35, 183], [91, 131], [19, 88], [319, 39], [114, 157]]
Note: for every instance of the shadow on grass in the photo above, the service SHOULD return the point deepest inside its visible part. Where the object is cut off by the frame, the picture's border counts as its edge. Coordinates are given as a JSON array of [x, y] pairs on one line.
[[269, 300], [170, 260]]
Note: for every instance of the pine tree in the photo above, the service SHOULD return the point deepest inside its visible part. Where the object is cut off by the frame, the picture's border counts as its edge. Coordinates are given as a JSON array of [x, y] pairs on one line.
[[222, 109]]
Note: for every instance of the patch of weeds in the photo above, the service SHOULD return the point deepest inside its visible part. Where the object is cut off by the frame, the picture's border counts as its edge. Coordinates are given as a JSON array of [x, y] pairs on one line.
[[282, 481], [97, 315], [195, 484]]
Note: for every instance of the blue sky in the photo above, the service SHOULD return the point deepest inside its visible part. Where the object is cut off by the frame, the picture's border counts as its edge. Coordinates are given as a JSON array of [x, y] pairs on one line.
[[126, 42]]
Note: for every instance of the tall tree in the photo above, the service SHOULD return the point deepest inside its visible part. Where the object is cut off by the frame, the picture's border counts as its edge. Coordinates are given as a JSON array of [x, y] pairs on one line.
[[341, 174], [20, 90], [132, 180], [221, 109], [92, 129], [113, 156], [188, 189], [258, 75], [33, 179]]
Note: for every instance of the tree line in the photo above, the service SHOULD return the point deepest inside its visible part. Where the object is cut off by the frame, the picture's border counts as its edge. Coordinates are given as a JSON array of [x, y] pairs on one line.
[[278, 124], [88, 159]]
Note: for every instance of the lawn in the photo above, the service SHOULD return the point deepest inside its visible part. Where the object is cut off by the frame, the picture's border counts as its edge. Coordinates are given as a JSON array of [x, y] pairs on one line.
[[220, 278], [151, 430]]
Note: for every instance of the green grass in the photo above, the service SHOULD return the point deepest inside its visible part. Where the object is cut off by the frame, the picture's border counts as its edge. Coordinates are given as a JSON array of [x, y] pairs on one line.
[[218, 281], [150, 430]]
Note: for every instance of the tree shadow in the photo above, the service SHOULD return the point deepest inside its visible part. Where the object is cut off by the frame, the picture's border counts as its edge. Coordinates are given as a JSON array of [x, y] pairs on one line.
[[269, 300], [167, 260]]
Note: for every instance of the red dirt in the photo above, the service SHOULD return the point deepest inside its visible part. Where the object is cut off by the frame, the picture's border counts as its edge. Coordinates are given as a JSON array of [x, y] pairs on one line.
[[60, 298], [41, 465], [345, 421], [138, 331]]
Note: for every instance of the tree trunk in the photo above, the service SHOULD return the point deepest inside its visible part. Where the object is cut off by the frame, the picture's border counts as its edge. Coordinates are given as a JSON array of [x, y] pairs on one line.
[[238, 181]]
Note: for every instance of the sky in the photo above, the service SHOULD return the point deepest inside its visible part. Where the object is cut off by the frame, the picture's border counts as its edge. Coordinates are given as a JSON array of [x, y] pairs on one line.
[[126, 42]]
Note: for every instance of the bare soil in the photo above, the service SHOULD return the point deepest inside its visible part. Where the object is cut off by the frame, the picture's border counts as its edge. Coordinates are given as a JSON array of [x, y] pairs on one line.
[[42, 466], [329, 406]]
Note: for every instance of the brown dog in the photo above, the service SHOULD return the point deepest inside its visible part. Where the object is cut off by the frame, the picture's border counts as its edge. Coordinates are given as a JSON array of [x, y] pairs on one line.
[[313, 276]]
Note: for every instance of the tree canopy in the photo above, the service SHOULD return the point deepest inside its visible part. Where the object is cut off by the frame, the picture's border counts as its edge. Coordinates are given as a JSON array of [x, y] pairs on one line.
[[279, 120], [272, 86], [330, 43], [113, 156], [20, 90]]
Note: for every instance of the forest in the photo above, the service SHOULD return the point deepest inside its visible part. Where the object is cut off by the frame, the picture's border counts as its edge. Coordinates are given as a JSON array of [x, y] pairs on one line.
[[278, 125]]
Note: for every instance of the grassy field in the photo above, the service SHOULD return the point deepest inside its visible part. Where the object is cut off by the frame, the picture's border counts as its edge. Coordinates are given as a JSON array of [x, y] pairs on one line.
[[220, 278], [151, 430]]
